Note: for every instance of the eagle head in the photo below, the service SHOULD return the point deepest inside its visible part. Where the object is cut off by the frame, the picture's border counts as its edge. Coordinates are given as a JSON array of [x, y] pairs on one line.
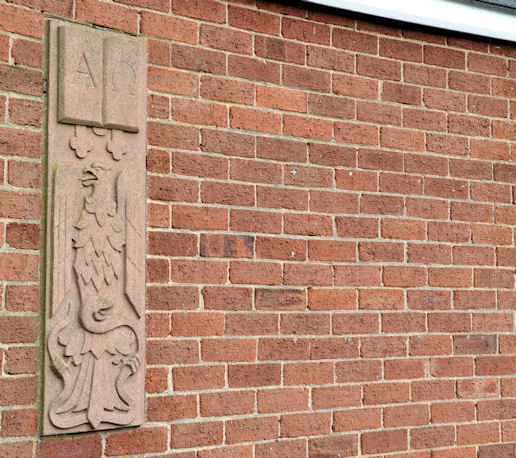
[[94, 173]]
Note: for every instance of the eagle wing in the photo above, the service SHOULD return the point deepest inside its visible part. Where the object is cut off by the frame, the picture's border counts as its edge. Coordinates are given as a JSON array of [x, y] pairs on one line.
[[131, 213], [66, 209]]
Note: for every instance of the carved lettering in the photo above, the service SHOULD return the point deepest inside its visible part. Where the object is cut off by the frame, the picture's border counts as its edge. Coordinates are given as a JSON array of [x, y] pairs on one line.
[[95, 301], [84, 69]]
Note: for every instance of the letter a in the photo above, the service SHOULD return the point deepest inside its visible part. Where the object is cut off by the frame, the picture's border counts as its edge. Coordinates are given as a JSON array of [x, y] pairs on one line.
[[84, 68]]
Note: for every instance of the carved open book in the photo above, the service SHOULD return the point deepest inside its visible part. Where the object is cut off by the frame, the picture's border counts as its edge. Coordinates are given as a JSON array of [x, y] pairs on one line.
[[95, 300]]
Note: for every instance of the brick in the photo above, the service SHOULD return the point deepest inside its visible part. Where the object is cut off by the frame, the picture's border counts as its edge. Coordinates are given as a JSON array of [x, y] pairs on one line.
[[448, 232], [172, 297], [190, 378], [403, 322], [306, 424], [225, 39], [19, 422], [401, 93], [425, 390], [356, 419], [254, 69], [487, 106], [478, 388], [442, 99], [278, 49], [381, 204], [208, 272], [448, 412], [356, 275], [267, 273], [18, 391], [358, 371], [430, 345], [200, 165], [172, 244], [424, 75], [283, 348], [332, 347], [197, 434], [281, 448], [250, 119], [333, 445], [257, 21], [19, 266], [378, 67], [21, 21], [159, 52], [172, 352], [192, 58], [251, 429], [332, 59], [209, 11], [194, 217], [477, 299], [312, 373], [451, 367], [23, 236], [447, 144], [411, 415], [195, 112], [282, 400], [220, 404], [226, 90], [169, 408], [197, 324], [469, 82], [227, 298], [60, 448], [307, 127], [399, 49], [432, 436], [254, 375], [349, 132], [228, 194], [282, 99], [393, 228], [478, 433], [22, 297], [381, 299], [228, 143], [107, 15], [491, 235], [355, 86], [22, 360], [331, 299], [391, 137], [355, 41], [172, 81], [256, 221], [28, 53], [403, 369], [336, 396], [426, 208], [171, 136], [384, 441]]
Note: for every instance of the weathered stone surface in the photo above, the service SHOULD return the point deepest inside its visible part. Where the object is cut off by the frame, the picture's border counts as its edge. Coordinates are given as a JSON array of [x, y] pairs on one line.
[[95, 302]]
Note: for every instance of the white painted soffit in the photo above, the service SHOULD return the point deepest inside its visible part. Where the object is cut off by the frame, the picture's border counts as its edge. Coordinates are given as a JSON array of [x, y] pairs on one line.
[[459, 15]]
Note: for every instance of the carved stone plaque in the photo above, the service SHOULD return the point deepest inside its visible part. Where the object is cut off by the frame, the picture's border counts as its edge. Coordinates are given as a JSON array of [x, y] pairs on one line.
[[95, 269]]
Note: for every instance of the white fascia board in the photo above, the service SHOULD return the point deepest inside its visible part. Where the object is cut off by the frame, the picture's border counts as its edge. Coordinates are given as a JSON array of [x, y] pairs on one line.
[[458, 15]]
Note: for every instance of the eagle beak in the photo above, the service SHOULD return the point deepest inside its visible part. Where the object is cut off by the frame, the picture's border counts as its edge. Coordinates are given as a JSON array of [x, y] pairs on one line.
[[88, 176]]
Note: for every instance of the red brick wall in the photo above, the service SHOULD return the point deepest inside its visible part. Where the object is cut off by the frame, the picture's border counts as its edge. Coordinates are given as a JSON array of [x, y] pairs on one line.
[[331, 233]]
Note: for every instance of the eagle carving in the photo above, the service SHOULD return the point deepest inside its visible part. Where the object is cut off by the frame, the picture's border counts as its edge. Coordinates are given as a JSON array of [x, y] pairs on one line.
[[98, 295]]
